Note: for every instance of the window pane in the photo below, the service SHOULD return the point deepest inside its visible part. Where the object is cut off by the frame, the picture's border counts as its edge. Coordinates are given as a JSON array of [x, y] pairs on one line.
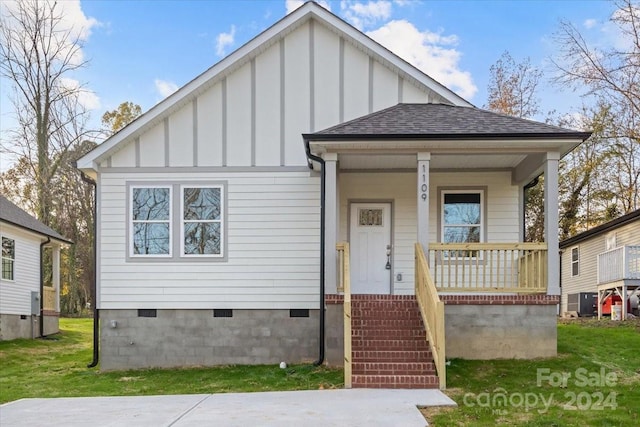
[[575, 269], [201, 203], [8, 248], [461, 235], [151, 204], [462, 208], [7, 269], [202, 238], [574, 254], [151, 238]]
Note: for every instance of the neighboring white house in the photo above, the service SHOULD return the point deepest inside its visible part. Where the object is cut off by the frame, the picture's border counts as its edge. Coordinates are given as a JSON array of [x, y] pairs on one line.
[[210, 206], [28, 308], [605, 257]]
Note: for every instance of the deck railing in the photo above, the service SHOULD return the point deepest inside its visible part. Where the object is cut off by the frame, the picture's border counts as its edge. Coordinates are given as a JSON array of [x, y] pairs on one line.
[[432, 310], [619, 264], [489, 267], [50, 301], [344, 286]]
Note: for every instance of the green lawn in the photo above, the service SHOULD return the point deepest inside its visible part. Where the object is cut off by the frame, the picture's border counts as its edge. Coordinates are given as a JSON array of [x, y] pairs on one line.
[[599, 359], [57, 368], [590, 352]]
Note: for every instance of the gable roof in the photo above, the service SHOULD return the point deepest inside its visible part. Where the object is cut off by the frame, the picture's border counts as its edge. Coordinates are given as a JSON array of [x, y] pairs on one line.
[[13, 215], [252, 48], [602, 228], [441, 121]]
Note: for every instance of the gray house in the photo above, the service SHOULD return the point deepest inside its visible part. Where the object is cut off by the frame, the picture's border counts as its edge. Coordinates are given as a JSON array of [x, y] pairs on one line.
[[29, 307], [602, 262]]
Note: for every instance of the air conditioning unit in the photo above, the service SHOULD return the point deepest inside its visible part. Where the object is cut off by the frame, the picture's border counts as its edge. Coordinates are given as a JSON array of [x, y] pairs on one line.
[[584, 303]]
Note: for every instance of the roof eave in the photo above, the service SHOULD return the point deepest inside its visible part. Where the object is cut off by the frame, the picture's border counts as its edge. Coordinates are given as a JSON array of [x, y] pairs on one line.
[[602, 228], [40, 233], [317, 137]]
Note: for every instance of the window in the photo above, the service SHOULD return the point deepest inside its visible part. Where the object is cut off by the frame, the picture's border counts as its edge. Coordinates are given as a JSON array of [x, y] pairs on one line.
[[462, 216], [461, 220], [8, 258], [611, 241], [151, 221], [575, 262], [183, 221], [201, 221]]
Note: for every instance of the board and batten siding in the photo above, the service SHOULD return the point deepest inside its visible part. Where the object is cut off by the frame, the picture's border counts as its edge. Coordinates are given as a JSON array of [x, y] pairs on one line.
[[400, 188], [587, 278], [255, 114], [15, 296], [273, 235]]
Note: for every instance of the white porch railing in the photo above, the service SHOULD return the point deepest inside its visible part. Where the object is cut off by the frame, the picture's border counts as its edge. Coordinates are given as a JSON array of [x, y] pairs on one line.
[[489, 267], [621, 263], [344, 286], [432, 310]]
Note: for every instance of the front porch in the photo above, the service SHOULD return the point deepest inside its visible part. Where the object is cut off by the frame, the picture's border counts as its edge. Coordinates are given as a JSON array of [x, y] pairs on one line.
[[515, 319], [430, 198]]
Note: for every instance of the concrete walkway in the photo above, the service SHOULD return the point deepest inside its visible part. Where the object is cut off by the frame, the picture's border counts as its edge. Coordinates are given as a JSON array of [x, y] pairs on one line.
[[356, 407]]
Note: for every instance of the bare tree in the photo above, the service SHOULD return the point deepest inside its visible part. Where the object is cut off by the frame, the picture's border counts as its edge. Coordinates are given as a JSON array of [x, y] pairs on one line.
[[513, 91], [38, 55], [610, 78], [513, 86]]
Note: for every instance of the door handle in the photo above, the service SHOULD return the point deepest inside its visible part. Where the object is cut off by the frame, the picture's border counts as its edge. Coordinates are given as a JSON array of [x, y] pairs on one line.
[[388, 266]]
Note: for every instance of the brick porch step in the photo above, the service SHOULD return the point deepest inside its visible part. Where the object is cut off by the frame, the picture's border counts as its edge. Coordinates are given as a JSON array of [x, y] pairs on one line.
[[389, 346], [394, 381]]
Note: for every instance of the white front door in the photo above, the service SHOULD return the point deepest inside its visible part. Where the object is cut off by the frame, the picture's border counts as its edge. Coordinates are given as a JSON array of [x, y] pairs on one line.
[[370, 241]]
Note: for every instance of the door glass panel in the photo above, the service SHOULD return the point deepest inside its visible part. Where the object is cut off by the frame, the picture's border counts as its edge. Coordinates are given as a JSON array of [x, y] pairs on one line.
[[370, 217]]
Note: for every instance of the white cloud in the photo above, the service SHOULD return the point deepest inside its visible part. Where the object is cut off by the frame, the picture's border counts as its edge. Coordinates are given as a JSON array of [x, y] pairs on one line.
[[366, 14], [87, 98], [225, 39], [430, 52], [292, 5], [72, 20], [589, 23], [165, 88]]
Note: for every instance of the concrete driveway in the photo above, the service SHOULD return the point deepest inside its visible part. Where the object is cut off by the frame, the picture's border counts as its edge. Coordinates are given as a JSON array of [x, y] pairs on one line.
[[355, 407]]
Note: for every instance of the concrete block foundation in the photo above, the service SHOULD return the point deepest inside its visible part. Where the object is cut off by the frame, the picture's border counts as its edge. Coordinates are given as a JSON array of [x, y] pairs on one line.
[[14, 326], [176, 338]]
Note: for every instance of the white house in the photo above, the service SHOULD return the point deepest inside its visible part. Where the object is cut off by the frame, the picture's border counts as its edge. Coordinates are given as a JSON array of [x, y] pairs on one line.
[[605, 260], [213, 208], [29, 304]]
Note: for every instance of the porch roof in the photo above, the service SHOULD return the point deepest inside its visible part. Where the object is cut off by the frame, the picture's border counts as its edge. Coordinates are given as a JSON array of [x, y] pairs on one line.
[[441, 121]]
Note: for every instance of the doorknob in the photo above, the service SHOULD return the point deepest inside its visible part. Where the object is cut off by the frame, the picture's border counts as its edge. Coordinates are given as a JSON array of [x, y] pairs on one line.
[[388, 266]]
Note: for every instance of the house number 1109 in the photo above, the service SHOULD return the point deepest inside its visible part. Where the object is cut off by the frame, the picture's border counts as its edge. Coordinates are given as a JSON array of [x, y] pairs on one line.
[[424, 188]]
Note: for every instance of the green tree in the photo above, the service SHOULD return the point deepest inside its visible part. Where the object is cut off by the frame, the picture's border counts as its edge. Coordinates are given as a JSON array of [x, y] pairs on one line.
[[115, 120]]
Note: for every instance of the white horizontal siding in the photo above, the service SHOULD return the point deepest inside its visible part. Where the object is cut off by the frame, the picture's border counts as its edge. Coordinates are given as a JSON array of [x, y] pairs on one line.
[[273, 227], [502, 200], [587, 279], [15, 296]]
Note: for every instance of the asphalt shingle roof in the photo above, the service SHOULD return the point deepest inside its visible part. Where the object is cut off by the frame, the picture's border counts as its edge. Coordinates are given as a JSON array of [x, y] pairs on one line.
[[14, 215], [415, 121]]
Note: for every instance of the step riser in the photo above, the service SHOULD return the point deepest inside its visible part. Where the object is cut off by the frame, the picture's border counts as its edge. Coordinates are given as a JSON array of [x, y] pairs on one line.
[[389, 346]]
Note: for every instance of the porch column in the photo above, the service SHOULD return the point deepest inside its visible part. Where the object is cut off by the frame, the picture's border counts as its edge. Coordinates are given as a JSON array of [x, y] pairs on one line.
[[423, 200], [551, 222], [331, 222], [55, 257]]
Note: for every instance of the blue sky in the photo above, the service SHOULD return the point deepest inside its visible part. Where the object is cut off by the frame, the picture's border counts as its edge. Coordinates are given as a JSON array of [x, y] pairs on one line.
[[140, 51]]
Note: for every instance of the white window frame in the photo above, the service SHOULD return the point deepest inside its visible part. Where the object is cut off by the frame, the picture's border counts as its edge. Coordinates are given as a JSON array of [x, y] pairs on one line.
[[12, 260], [575, 262], [221, 221], [132, 254], [443, 223]]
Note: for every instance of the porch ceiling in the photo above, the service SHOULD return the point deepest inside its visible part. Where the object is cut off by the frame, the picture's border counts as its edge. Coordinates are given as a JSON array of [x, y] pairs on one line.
[[438, 161]]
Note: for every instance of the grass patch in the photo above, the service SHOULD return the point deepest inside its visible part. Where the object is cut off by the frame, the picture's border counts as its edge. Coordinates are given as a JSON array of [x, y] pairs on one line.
[[57, 368], [586, 349]]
